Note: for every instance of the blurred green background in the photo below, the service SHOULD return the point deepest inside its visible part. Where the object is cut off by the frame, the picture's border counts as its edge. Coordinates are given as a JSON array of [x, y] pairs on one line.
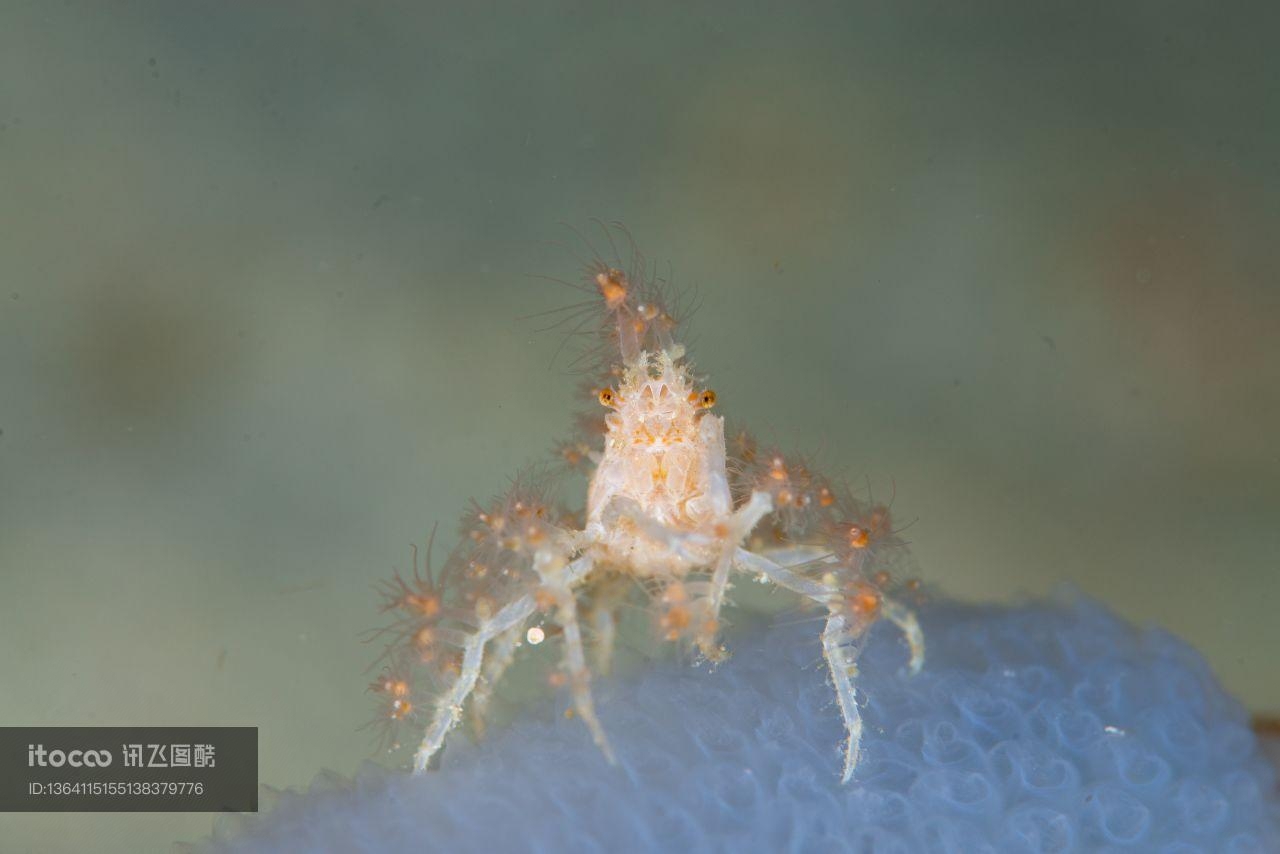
[[262, 269]]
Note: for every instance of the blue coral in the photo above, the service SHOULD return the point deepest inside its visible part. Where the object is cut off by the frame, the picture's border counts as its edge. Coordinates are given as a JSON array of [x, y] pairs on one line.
[[1044, 728]]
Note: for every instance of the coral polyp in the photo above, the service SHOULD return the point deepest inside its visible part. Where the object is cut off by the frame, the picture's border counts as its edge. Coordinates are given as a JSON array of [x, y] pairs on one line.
[[670, 516]]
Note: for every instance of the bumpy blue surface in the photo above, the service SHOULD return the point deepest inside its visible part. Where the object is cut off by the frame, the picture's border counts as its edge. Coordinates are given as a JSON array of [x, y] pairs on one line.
[[1053, 727]]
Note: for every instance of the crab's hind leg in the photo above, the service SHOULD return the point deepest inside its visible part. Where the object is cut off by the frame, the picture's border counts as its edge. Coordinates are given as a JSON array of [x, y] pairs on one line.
[[905, 619], [841, 653], [575, 664]]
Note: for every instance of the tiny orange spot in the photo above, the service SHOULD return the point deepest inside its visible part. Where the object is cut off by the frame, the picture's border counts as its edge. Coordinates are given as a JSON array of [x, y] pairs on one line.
[[865, 600], [675, 621], [427, 606], [613, 287], [858, 537]]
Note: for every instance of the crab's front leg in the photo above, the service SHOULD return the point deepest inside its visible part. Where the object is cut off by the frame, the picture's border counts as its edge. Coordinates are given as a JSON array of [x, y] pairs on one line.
[[740, 525], [840, 656], [776, 568], [840, 638], [723, 536]]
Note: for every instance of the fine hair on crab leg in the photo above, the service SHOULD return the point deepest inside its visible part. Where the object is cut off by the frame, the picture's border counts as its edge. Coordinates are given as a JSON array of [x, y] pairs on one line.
[[905, 619], [842, 661]]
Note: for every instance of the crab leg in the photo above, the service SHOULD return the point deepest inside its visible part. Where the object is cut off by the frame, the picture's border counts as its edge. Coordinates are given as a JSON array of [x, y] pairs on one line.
[[605, 626], [839, 643], [502, 653], [842, 660], [744, 519], [782, 576], [575, 664], [449, 708], [905, 619]]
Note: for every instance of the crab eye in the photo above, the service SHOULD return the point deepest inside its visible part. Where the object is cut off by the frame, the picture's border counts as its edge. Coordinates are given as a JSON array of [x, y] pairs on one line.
[[608, 398], [707, 399]]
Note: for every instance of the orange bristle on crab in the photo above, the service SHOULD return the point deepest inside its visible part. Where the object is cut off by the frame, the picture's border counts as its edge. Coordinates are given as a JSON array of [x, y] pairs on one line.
[[668, 513]]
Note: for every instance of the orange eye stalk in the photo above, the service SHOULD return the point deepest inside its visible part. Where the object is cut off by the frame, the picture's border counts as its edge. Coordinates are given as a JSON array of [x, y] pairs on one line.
[[608, 397], [707, 399]]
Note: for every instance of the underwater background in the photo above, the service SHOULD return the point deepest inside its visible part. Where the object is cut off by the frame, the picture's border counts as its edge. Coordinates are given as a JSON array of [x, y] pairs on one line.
[[266, 272]]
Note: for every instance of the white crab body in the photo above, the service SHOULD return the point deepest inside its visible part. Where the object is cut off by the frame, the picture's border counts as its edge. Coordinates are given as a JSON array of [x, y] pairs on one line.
[[664, 456]]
